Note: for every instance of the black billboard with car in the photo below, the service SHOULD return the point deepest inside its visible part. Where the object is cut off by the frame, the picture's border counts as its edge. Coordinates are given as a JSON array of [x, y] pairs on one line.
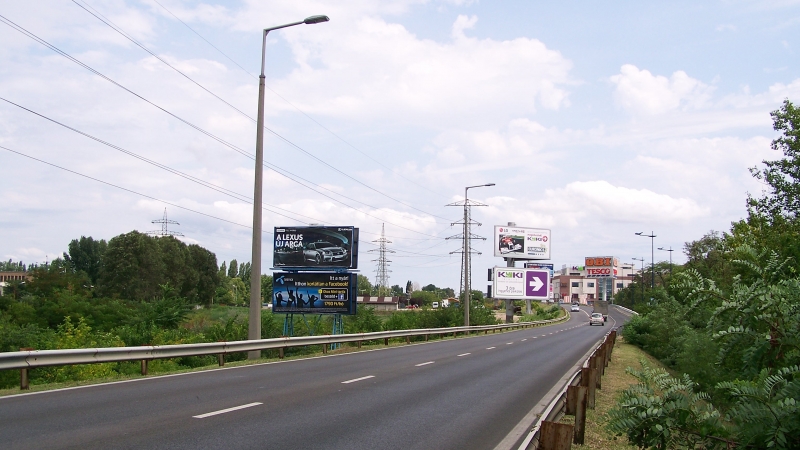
[[314, 293], [315, 247]]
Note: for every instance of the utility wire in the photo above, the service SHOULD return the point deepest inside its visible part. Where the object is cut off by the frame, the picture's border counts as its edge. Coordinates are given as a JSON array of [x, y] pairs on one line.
[[129, 190], [114, 27], [187, 176], [296, 107], [277, 169]]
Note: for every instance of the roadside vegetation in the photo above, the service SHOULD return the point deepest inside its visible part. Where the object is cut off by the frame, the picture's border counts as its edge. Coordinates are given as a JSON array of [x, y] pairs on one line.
[[727, 325], [141, 290]]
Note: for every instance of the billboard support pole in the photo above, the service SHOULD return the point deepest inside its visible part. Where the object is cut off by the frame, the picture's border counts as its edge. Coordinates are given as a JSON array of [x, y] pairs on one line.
[[338, 328], [510, 303]]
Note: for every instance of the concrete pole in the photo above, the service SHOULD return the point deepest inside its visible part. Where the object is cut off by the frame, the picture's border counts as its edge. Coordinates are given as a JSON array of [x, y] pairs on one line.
[[254, 318]]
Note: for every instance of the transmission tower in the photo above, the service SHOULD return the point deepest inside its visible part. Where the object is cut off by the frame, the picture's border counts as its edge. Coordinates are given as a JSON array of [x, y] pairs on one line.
[[382, 272], [164, 231], [466, 251]]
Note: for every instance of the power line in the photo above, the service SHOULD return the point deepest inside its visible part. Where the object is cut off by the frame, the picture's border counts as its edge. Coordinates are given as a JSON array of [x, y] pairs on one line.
[[114, 27], [279, 170], [128, 190], [295, 106]]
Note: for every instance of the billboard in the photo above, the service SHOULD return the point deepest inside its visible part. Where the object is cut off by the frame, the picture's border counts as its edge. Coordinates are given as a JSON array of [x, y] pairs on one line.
[[315, 248], [314, 293], [521, 243], [536, 265], [520, 284], [601, 266]]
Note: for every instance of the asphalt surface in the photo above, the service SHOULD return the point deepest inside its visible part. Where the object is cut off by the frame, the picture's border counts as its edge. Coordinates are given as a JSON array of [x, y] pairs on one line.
[[464, 393]]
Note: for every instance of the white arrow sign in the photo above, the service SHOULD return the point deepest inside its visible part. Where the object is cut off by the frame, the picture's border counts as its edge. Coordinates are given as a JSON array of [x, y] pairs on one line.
[[536, 283]]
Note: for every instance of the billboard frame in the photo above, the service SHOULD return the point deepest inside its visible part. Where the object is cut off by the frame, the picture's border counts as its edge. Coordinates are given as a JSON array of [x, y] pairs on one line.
[[521, 243], [343, 283], [293, 248]]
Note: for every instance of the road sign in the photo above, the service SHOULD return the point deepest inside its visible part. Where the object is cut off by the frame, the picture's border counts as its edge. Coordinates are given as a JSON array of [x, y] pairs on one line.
[[521, 284]]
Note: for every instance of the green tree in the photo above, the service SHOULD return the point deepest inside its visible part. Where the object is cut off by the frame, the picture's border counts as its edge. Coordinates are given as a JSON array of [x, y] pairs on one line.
[[132, 268], [364, 287], [205, 265], [233, 269], [782, 175], [86, 254]]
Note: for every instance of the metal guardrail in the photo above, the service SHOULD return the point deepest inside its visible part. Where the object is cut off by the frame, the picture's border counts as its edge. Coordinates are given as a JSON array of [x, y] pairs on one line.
[[44, 358], [592, 367], [626, 310]]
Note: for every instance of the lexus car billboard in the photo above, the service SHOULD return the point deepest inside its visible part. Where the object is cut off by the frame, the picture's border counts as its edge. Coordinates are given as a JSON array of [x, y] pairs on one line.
[[315, 247], [314, 292], [521, 243]]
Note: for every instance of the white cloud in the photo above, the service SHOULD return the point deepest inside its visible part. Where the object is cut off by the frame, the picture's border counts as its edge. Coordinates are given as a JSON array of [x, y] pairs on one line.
[[725, 27], [373, 69], [642, 92]]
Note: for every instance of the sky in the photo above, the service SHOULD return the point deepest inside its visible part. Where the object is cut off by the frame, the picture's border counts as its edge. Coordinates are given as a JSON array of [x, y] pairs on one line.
[[595, 120]]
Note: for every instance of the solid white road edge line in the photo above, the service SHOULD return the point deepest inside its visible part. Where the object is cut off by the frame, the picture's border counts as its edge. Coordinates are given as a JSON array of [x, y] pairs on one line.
[[227, 410], [358, 379], [424, 364]]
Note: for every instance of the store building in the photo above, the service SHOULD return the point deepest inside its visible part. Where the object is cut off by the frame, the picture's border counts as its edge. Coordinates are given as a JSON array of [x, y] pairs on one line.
[[598, 278]]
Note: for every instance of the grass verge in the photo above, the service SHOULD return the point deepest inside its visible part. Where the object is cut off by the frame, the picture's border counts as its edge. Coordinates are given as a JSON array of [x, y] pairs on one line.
[[615, 381]]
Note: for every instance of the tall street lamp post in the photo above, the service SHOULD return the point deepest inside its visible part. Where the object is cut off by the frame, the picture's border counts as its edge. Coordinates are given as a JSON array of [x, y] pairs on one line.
[[652, 257], [641, 275], [670, 250], [467, 249], [254, 319]]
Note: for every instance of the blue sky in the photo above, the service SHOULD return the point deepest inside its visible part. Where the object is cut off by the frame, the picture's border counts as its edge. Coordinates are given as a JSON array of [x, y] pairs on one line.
[[594, 120]]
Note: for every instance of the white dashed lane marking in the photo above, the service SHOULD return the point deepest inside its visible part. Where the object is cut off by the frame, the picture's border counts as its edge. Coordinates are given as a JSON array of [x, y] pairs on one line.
[[227, 410], [424, 364], [489, 348], [358, 379], [464, 354]]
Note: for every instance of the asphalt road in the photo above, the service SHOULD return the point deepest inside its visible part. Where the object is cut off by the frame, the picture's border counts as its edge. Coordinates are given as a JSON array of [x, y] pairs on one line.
[[457, 394]]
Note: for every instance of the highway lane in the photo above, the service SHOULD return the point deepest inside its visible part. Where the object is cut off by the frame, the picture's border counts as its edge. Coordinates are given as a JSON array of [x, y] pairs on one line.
[[462, 393]]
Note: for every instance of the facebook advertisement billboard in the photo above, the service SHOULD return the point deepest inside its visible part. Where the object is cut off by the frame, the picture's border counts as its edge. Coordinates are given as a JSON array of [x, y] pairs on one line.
[[314, 293]]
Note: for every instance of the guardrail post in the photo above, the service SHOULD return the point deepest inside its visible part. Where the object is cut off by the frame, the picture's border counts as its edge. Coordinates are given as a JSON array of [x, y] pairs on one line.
[[485, 331], [408, 339], [221, 359], [144, 367], [576, 406], [555, 436], [597, 364], [24, 383], [587, 377], [426, 338], [385, 341], [280, 353], [324, 349], [359, 344]]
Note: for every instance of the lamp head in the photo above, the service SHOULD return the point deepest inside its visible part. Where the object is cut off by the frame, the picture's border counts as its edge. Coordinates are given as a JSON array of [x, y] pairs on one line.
[[489, 184], [316, 19], [639, 233]]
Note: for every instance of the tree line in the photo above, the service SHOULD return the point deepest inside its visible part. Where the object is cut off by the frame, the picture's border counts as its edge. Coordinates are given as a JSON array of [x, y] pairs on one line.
[[728, 323]]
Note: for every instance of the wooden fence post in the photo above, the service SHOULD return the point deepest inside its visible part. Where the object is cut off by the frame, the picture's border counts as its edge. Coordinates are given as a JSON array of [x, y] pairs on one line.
[[580, 413], [555, 436], [587, 377]]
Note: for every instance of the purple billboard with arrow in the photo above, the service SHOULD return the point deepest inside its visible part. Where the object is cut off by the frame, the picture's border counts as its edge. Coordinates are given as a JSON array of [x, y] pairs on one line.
[[537, 283]]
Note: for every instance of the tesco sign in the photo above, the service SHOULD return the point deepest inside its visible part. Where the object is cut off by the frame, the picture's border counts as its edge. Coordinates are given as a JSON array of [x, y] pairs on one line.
[[600, 272]]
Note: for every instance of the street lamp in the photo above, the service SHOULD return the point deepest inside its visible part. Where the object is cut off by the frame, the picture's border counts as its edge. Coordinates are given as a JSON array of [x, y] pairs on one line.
[[670, 250], [254, 319], [641, 275], [652, 256], [466, 249]]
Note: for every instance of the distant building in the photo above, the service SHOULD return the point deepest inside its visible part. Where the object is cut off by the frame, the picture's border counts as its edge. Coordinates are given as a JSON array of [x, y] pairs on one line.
[[597, 278], [5, 277], [379, 303]]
